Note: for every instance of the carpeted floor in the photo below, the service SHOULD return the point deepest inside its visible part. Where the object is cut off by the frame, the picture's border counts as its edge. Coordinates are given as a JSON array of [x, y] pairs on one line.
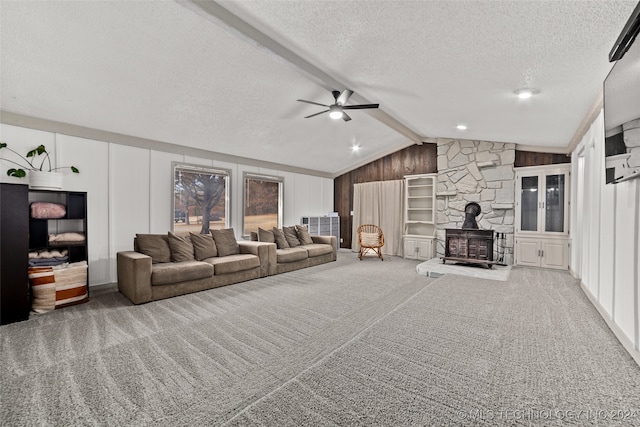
[[346, 343]]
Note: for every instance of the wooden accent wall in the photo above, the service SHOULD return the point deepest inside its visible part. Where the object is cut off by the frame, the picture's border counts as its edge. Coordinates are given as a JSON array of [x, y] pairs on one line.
[[532, 158], [415, 159]]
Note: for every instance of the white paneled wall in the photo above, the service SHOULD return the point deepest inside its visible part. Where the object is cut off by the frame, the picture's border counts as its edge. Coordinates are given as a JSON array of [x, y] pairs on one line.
[[607, 258], [129, 190]]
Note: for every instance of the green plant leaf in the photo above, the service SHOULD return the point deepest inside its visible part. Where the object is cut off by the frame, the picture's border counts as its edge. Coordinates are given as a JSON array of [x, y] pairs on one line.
[[18, 173], [32, 153], [41, 149], [3, 144], [74, 169]]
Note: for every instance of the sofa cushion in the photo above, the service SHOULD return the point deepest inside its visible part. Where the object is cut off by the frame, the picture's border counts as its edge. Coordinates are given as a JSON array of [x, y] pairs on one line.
[[281, 241], [266, 236], [181, 248], [154, 245], [318, 249], [291, 236], [175, 272], [233, 263], [284, 256], [254, 236], [303, 235], [226, 242], [203, 246]]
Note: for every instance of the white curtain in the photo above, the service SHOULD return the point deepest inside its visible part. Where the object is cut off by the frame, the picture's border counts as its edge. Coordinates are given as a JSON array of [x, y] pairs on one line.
[[380, 203]]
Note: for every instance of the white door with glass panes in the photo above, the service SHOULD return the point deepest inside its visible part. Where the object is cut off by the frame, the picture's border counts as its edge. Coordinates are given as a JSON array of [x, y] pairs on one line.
[[542, 216]]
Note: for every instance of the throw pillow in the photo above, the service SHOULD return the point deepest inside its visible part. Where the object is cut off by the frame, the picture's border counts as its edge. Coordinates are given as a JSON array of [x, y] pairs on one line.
[[303, 235], [370, 239], [226, 242], [266, 236], [281, 241], [291, 236], [254, 236], [154, 245], [181, 248], [203, 246]]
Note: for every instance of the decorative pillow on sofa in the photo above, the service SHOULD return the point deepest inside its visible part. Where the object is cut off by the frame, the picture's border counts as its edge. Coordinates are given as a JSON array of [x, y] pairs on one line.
[[254, 236], [154, 245], [303, 235], [181, 248], [203, 246], [266, 236], [281, 241], [226, 242], [291, 236]]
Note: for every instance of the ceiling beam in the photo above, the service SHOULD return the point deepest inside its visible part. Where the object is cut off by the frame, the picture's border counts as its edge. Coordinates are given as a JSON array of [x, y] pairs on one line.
[[214, 12]]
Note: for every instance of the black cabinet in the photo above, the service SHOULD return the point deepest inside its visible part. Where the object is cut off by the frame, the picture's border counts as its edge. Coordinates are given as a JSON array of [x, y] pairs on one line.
[[21, 234], [14, 250]]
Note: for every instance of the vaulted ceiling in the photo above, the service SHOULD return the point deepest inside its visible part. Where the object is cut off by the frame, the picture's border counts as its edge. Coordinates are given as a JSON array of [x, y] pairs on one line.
[[225, 76]]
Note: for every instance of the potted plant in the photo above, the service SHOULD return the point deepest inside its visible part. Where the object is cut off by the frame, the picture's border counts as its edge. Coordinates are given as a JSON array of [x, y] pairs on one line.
[[40, 176]]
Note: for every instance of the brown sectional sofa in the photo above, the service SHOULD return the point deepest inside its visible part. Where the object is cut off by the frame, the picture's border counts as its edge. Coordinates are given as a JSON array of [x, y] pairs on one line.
[[160, 270]]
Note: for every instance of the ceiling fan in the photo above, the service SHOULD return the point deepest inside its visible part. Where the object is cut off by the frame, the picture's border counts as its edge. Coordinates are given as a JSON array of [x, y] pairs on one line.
[[336, 110]]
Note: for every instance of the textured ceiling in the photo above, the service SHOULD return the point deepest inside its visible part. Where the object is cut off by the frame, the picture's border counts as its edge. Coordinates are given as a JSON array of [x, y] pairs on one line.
[[157, 70]]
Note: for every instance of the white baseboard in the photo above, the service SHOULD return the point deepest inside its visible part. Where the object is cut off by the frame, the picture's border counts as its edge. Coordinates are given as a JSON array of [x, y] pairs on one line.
[[626, 343]]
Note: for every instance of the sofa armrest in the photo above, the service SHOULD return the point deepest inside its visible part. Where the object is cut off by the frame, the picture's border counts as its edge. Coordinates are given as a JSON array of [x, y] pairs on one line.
[[134, 276], [328, 240], [265, 251]]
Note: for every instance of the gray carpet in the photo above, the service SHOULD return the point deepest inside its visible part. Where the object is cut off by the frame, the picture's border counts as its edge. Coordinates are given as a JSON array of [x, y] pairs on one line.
[[346, 343]]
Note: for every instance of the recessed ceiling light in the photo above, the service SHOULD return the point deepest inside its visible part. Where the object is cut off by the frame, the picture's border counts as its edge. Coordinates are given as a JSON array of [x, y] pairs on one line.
[[461, 127], [526, 93], [355, 148]]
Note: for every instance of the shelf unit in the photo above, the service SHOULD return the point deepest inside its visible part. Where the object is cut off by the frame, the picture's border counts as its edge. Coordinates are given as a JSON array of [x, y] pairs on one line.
[[74, 221], [419, 218], [323, 226]]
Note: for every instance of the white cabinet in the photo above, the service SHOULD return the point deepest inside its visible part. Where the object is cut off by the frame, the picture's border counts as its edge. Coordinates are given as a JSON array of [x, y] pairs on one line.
[[542, 216], [418, 247], [548, 253], [419, 217]]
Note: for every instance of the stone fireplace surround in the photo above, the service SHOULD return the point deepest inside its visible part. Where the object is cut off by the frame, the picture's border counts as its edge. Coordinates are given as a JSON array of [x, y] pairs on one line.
[[476, 171]]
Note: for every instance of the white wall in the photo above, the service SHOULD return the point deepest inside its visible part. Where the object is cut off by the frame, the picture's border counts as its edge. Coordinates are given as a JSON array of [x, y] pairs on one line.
[[129, 190], [607, 256]]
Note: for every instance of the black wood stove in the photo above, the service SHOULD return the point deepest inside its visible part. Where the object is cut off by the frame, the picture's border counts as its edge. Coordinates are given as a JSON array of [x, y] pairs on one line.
[[469, 244]]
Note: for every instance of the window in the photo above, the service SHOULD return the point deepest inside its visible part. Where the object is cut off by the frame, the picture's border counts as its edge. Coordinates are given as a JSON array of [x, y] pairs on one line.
[[200, 199], [262, 202]]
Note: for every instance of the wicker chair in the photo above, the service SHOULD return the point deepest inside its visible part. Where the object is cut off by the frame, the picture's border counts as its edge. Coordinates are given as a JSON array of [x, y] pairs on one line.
[[370, 238]]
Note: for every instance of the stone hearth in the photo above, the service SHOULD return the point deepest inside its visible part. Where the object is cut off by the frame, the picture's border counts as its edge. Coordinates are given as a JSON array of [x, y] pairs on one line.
[[476, 171]]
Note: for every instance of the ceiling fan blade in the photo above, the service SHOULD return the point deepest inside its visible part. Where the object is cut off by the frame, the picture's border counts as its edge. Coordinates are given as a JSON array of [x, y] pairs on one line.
[[344, 96], [317, 114], [345, 117], [360, 107], [311, 102]]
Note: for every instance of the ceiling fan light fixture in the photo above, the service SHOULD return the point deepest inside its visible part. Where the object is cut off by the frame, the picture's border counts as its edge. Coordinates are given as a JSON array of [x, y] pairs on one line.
[[335, 112]]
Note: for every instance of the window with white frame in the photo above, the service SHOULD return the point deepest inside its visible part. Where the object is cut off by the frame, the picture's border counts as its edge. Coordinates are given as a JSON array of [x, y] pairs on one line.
[[263, 203], [200, 198]]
